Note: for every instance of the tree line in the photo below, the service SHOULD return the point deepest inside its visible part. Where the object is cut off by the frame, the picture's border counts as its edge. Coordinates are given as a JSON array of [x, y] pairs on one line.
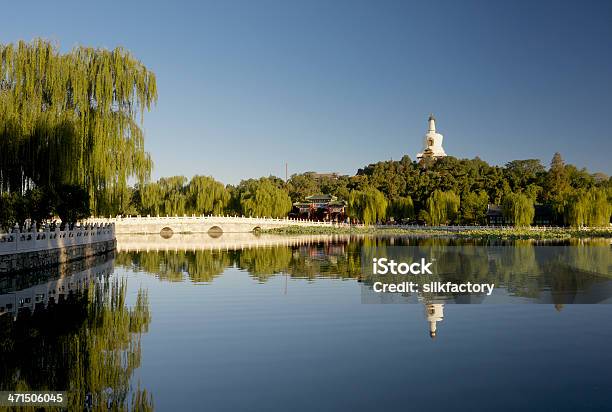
[[440, 192], [203, 195]]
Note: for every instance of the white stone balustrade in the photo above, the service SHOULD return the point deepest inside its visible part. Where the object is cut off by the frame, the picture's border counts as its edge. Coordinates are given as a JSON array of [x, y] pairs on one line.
[[45, 239], [203, 224]]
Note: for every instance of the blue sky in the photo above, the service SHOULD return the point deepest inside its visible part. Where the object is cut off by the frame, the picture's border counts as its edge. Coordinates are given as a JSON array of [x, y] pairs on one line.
[[245, 86]]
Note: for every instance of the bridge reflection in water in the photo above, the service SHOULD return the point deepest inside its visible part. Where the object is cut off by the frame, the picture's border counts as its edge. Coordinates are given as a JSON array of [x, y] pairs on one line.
[[225, 241]]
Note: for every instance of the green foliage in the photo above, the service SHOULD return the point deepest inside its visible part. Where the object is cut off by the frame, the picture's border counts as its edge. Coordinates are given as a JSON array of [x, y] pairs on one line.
[[8, 210], [168, 196], [204, 195], [519, 209], [522, 173], [368, 205], [474, 207], [442, 207], [306, 184], [491, 233], [405, 178], [557, 186], [39, 204], [72, 119], [72, 203], [69, 202], [207, 196], [303, 185], [263, 198], [589, 208], [401, 208]]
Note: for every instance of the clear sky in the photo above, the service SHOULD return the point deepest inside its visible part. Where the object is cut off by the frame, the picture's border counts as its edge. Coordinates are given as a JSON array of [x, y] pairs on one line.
[[245, 86]]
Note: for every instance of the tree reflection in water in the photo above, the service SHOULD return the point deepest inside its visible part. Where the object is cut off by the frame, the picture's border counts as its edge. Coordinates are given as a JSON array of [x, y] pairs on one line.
[[523, 268], [88, 344]]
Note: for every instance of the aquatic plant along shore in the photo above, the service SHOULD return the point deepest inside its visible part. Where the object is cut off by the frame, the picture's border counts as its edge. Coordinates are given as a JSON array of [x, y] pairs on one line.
[[450, 231]]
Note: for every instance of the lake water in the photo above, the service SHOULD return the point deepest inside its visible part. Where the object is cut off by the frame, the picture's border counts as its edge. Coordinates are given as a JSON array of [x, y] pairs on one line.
[[272, 323]]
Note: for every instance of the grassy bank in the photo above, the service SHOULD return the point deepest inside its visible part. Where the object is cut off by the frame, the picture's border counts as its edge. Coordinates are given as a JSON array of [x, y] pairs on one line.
[[477, 233]]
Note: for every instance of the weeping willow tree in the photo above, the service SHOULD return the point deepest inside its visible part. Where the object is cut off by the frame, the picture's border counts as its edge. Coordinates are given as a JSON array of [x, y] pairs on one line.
[[588, 208], [207, 196], [73, 118], [174, 196], [368, 205], [519, 209], [401, 208], [167, 196], [261, 198], [442, 207]]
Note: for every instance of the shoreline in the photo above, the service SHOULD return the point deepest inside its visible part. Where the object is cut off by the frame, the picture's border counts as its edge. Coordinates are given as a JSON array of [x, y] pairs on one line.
[[464, 233]]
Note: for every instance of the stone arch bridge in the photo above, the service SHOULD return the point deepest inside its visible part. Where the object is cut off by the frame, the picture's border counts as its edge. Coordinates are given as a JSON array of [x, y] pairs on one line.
[[166, 226]]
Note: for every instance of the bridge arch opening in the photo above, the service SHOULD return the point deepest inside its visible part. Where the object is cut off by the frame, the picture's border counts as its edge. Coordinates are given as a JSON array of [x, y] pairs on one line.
[[215, 232], [256, 230], [166, 232]]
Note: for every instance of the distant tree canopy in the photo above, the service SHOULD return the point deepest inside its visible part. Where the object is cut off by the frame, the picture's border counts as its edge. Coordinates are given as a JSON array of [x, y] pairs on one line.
[[175, 196], [589, 207], [442, 208], [202, 195], [474, 207], [73, 119], [401, 208], [263, 198], [208, 196], [518, 208], [167, 196], [368, 205], [447, 191]]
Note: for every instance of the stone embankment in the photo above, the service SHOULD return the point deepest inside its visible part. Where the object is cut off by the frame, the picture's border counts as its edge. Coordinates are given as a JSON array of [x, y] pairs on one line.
[[39, 248]]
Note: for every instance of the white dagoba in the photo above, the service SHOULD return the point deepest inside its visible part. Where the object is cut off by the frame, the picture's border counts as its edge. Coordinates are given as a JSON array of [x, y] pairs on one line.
[[432, 143]]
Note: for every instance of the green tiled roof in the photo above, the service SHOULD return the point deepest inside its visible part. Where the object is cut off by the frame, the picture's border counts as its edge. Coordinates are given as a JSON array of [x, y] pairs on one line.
[[321, 197]]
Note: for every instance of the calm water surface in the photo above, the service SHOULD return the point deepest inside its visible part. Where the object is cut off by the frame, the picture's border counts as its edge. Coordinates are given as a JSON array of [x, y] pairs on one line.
[[237, 327]]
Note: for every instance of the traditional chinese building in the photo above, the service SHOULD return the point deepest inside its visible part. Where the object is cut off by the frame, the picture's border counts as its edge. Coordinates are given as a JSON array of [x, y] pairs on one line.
[[322, 176], [543, 216], [320, 207]]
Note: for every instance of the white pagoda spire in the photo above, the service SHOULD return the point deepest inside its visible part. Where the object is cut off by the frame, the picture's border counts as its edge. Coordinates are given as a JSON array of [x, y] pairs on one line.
[[432, 124], [432, 143]]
